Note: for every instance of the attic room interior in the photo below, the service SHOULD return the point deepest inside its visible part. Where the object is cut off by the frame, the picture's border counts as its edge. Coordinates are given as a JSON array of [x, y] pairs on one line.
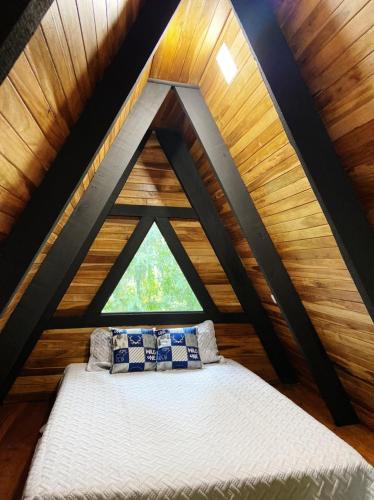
[[186, 249]]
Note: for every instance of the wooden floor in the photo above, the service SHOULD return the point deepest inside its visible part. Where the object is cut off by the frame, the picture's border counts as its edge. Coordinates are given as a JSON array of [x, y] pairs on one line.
[[19, 433], [358, 436], [20, 424]]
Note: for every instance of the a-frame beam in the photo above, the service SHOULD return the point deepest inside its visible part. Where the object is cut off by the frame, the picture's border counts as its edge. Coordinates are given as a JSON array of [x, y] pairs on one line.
[[186, 266], [266, 255], [48, 286], [183, 164], [307, 134], [118, 269], [19, 20], [85, 139]]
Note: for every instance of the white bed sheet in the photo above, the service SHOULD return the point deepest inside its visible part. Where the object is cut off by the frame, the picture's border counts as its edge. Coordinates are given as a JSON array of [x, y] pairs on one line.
[[216, 433]]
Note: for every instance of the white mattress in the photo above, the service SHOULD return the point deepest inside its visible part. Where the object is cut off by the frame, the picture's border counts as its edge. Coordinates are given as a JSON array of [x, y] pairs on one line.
[[217, 433]]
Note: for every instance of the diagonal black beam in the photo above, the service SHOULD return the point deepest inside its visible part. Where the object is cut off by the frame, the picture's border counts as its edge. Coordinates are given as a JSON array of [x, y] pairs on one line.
[[266, 255], [120, 210], [307, 133], [48, 286], [136, 319], [85, 139], [186, 266], [118, 269], [19, 20], [183, 164]]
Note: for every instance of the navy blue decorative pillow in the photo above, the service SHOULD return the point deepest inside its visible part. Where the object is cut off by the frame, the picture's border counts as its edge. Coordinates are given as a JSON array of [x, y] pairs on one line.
[[134, 350], [177, 348]]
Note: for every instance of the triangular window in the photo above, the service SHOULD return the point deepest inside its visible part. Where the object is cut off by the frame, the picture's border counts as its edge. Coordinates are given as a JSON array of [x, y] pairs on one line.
[[153, 281]]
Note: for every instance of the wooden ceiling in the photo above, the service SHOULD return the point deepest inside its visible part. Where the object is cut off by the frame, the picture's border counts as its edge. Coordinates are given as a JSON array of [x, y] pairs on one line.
[[333, 45]]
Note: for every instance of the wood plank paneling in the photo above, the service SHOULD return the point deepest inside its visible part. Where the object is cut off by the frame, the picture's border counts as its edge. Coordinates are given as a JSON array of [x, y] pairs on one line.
[[189, 40], [58, 348], [153, 181], [48, 86], [202, 255], [294, 220], [85, 182], [109, 242], [333, 43]]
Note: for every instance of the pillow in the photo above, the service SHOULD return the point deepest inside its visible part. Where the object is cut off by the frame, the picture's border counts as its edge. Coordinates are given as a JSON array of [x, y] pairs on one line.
[[100, 350], [207, 342], [177, 349], [134, 350]]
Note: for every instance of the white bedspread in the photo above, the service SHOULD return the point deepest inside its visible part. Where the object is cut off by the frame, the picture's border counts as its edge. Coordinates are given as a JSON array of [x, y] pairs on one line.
[[217, 433]]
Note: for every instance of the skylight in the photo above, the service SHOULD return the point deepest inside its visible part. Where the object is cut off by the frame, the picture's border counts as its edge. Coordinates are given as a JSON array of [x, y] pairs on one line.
[[226, 63], [153, 281]]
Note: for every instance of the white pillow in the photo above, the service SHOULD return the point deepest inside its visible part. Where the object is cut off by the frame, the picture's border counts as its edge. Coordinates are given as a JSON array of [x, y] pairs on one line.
[[206, 339], [100, 350]]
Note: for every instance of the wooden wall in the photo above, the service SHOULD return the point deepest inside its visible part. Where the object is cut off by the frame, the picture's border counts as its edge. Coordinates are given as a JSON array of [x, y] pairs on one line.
[[145, 186], [47, 89], [333, 43], [102, 254], [152, 180], [275, 179], [57, 348], [44, 92]]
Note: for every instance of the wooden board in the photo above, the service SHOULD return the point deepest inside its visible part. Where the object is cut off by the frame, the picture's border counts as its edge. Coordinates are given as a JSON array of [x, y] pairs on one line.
[[152, 181], [58, 348], [112, 237], [268, 164], [294, 220], [333, 44], [65, 216], [61, 65]]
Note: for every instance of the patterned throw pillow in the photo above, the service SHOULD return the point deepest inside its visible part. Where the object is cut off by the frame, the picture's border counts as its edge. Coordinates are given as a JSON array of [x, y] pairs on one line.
[[177, 349], [134, 350]]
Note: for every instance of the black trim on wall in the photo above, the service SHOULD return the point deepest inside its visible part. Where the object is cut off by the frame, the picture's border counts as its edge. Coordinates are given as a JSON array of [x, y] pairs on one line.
[[266, 255], [183, 164], [138, 319], [59, 267], [79, 150], [307, 133], [19, 21], [119, 210]]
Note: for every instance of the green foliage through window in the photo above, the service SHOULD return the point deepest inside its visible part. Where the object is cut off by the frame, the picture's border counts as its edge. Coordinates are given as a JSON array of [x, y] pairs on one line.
[[153, 281]]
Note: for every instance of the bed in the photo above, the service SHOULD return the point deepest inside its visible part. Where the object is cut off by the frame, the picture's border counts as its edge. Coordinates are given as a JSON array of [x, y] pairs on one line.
[[216, 433]]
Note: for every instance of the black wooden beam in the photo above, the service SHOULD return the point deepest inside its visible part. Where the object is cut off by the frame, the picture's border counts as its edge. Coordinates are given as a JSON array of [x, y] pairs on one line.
[[118, 268], [307, 133], [187, 267], [266, 255], [119, 210], [48, 286], [138, 319], [19, 21], [183, 164], [85, 139]]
